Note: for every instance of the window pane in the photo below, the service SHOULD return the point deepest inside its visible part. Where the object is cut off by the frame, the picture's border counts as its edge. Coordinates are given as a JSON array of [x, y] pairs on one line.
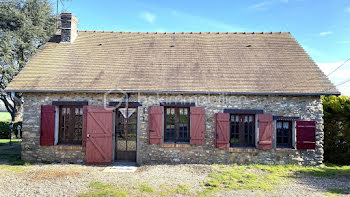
[[242, 130], [284, 133], [170, 125], [177, 124], [279, 125], [78, 126], [279, 140], [71, 125]]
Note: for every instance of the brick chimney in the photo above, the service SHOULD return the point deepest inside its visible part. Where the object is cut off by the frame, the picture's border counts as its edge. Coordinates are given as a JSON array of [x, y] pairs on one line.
[[69, 27]]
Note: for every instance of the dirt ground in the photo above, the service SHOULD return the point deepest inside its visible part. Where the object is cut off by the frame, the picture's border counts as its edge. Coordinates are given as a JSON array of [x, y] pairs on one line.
[[156, 180]]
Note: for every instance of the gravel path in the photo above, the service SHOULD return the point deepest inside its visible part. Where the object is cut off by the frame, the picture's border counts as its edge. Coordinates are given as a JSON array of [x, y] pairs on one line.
[[71, 180]]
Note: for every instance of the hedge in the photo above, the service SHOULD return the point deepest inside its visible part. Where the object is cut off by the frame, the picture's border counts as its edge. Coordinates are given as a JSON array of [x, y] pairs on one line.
[[5, 129], [336, 129]]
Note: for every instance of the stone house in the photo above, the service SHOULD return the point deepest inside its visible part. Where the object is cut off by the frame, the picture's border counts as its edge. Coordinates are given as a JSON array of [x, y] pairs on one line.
[[97, 97]]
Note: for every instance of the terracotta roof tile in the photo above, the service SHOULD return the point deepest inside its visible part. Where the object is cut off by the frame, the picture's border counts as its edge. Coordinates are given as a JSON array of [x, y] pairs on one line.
[[229, 62]]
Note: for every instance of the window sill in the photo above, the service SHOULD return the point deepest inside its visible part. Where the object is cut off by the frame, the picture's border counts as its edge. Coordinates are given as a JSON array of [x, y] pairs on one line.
[[174, 145], [242, 150], [68, 147], [285, 150]]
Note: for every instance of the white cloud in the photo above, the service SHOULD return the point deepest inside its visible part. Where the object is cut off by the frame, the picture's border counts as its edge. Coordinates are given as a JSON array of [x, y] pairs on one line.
[[325, 33], [265, 4], [261, 5], [149, 17], [339, 76]]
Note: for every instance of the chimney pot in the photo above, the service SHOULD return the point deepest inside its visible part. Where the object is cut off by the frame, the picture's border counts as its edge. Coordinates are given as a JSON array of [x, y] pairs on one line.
[[69, 27]]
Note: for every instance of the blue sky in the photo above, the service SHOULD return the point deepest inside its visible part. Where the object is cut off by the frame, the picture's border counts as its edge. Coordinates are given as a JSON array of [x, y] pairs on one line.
[[321, 27]]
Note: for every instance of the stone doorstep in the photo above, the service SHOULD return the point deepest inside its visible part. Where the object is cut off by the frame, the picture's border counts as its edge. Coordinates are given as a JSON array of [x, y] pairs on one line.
[[173, 145], [67, 147], [121, 167]]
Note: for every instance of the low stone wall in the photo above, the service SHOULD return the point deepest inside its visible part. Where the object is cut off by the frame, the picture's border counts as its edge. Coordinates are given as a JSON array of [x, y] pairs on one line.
[[305, 107], [204, 155], [66, 154]]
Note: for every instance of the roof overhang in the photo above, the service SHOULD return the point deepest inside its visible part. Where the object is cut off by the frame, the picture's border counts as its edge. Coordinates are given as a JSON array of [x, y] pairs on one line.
[[177, 92]]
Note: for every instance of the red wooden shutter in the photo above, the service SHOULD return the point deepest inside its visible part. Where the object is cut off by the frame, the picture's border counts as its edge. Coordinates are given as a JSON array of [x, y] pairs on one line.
[[84, 125], [99, 135], [222, 130], [197, 125], [47, 125], [306, 131], [265, 122], [155, 124]]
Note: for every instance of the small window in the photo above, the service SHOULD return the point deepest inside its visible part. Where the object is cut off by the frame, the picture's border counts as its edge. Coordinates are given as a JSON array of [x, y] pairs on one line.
[[70, 124], [177, 124], [242, 130], [283, 134]]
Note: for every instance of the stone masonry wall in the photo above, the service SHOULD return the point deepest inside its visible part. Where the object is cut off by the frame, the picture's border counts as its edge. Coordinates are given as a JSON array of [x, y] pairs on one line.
[[305, 107]]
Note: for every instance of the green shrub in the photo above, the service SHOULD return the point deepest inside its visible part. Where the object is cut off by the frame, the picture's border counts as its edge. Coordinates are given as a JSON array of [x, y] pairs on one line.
[[336, 129], [5, 129]]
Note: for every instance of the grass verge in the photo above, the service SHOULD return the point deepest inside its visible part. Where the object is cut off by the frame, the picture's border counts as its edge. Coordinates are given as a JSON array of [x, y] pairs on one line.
[[13, 159], [145, 188], [325, 171], [102, 189], [4, 142], [264, 177], [12, 168], [249, 177], [334, 192]]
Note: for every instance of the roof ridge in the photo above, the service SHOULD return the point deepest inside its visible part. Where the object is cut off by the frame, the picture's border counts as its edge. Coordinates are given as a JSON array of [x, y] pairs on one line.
[[132, 32]]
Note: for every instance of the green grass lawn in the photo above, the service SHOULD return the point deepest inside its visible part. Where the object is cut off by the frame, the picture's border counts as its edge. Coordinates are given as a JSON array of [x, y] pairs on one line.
[[10, 154], [266, 177], [253, 177], [5, 117], [102, 189], [7, 141]]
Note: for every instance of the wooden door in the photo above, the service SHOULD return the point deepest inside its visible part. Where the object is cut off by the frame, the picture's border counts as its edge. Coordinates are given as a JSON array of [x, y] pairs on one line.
[[99, 135]]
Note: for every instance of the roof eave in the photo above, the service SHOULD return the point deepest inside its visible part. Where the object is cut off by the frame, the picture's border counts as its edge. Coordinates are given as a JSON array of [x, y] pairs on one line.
[[178, 92]]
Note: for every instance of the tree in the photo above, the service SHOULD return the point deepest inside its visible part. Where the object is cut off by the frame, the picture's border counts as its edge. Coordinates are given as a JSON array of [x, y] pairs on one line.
[[337, 129], [25, 25]]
